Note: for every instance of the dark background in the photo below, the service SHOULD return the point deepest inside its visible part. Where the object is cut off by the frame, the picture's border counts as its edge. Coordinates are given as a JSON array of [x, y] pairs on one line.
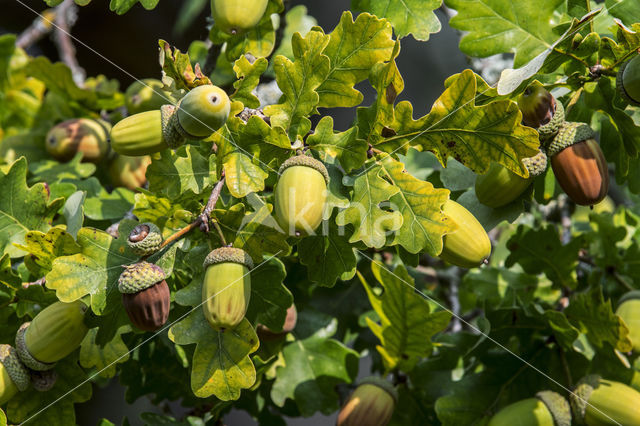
[[131, 42]]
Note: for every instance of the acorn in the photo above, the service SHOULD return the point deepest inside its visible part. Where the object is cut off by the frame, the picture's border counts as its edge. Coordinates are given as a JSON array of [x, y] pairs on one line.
[[371, 404], [226, 289], [599, 402], [203, 111], [146, 95], [129, 172], [266, 334], [578, 164], [87, 136], [145, 239], [500, 186], [541, 110], [546, 409], [629, 311], [145, 295], [53, 334], [469, 245], [14, 376], [301, 195], [628, 80], [237, 16]]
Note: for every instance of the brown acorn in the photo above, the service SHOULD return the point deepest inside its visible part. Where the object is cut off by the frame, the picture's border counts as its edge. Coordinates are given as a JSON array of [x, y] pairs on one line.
[[266, 334], [579, 165], [145, 295], [541, 110], [371, 404]]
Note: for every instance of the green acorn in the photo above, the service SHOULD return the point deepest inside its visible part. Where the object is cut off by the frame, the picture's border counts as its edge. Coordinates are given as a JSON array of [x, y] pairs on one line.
[[146, 95], [14, 376], [301, 194], [469, 245], [145, 239], [628, 80], [145, 295], [52, 335], [541, 110], [599, 402], [629, 311], [578, 164], [203, 111], [227, 287], [237, 16], [129, 172], [546, 409], [371, 404], [90, 137], [500, 186]]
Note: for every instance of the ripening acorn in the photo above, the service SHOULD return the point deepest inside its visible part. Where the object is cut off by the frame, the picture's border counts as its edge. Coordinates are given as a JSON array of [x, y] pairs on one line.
[[146, 95], [145, 295], [469, 245], [14, 376], [203, 111], [371, 404], [266, 334], [579, 164], [142, 134], [226, 289], [53, 334], [546, 409], [628, 80], [145, 239], [129, 172], [629, 311], [301, 195], [500, 186], [599, 402], [541, 110], [237, 16], [87, 136]]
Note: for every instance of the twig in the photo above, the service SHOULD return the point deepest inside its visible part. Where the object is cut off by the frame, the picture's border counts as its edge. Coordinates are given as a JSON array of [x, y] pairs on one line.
[[41, 281], [205, 216], [40, 27], [65, 17]]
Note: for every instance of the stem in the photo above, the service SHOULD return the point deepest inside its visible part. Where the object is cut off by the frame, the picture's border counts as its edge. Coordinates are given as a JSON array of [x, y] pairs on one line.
[[565, 367], [205, 216], [41, 281], [40, 27], [181, 233]]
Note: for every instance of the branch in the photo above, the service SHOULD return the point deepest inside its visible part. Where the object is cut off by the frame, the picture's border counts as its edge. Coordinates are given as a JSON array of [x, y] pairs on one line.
[[65, 17], [41, 281], [40, 27]]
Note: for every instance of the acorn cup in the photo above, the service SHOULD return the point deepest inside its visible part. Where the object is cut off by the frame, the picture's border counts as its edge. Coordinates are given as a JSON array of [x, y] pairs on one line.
[[87, 136], [146, 95], [145, 295], [14, 376], [371, 404], [145, 239], [266, 334], [546, 409], [628, 81], [301, 195], [197, 115], [237, 16], [541, 110], [599, 402], [129, 172], [53, 334], [629, 311], [226, 289], [469, 245], [578, 164], [500, 186]]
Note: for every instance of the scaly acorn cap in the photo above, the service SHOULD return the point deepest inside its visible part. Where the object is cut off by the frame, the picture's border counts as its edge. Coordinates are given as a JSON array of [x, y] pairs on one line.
[[631, 295], [171, 130], [25, 356], [570, 133], [16, 370], [536, 164], [557, 406], [43, 381], [581, 394], [551, 128], [305, 161], [382, 384], [139, 276], [145, 239], [228, 255]]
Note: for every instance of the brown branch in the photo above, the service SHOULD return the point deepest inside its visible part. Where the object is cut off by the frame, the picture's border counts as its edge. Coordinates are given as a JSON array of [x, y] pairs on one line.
[[65, 17], [40, 27], [181, 233], [205, 216], [41, 281]]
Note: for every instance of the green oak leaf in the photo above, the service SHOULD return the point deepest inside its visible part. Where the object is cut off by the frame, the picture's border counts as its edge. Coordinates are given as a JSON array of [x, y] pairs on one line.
[[297, 21], [565, 333], [180, 171], [23, 209], [407, 324], [311, 370], [176, 66], [100, 204], [494, 26], [43, 249], [94, 270], [625, 10], [474, 135], [248, 78], [501, 288], [354, 48], [51, 171], [221, 365], [345, 146], [153, 208], [104, 357], [337, 193], [415, 17], [32, 299], [242, 175], [592, 315], [270, 299], [122, 6], [10, 282], [371, 222], [420, 204]]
